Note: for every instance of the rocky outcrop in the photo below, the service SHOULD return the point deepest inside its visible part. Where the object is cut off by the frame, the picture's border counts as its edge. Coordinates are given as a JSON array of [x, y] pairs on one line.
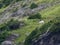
[[10, 39], [7, 43], [51, 39]]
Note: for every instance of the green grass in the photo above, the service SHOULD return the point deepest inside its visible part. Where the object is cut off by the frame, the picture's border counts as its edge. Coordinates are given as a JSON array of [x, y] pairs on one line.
[[45, 1], [50, 13], [36, 33], [30, 26], [47, 15], [53, 25]]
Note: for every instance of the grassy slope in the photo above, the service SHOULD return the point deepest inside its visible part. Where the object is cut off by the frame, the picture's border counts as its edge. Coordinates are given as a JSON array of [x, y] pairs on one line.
[[31, 25], [47, 14], [53, 26], [53, 11], [50, 13]]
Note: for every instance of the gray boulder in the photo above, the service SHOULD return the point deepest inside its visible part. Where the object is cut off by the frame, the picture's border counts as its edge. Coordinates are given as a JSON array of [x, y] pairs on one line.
[[8, 43]]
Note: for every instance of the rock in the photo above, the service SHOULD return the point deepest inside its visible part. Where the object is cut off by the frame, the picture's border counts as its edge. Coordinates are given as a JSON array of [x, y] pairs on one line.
[[7, 43], [9, 40], [41, 21], [12, 37], [51, 39]]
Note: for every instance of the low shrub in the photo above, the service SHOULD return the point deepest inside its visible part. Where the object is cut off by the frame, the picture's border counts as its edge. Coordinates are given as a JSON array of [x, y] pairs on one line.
[[13, 24], [35, 16], [33, 5]]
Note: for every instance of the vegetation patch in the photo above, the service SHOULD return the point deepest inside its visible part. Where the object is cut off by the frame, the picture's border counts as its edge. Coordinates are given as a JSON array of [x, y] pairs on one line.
[[3, 36], [10, 25], [33, 5], [54, 24], [35, 16]]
